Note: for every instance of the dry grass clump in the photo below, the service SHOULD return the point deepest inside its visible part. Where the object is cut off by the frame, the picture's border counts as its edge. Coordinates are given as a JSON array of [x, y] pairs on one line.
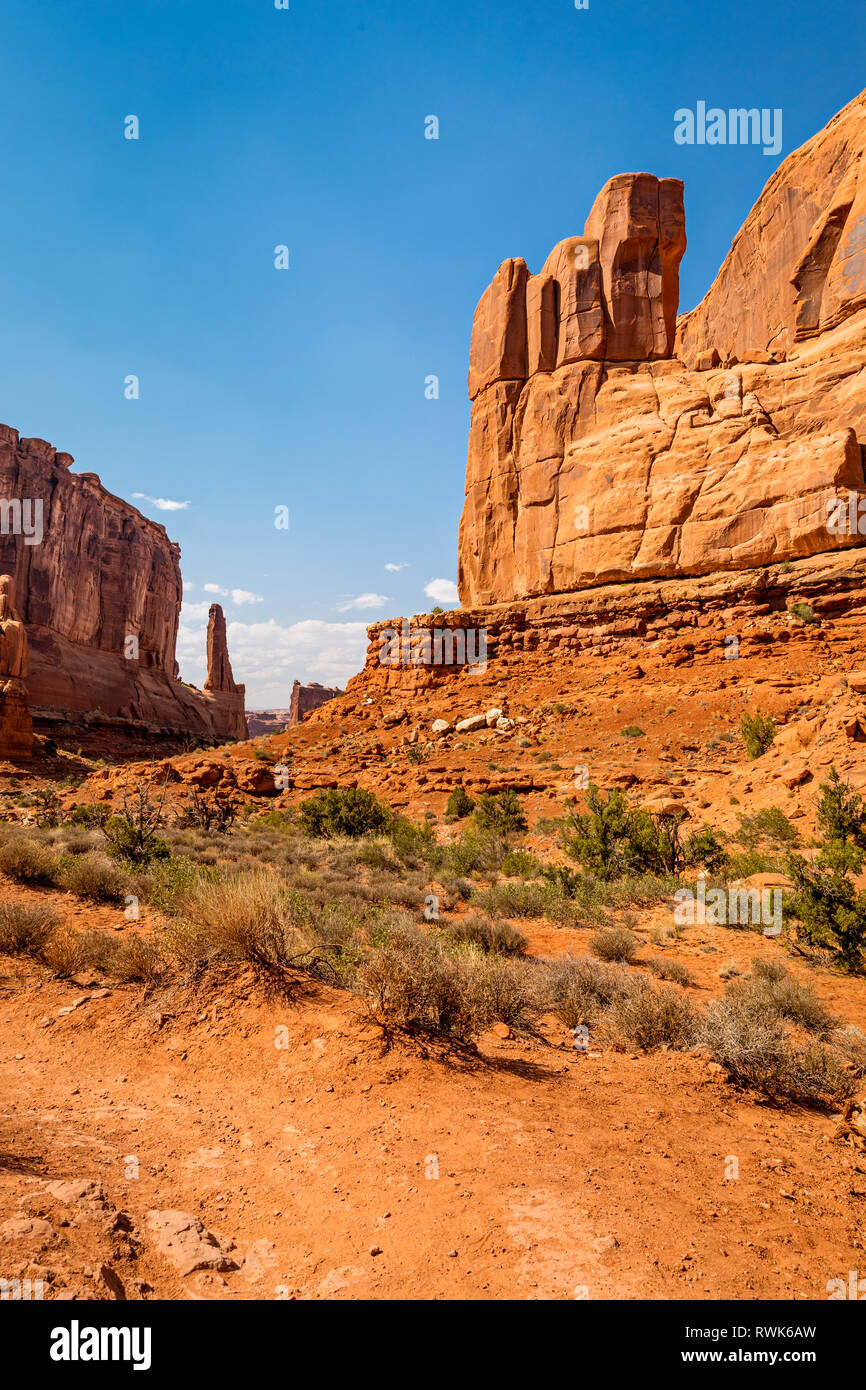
[[671, 970], [772, 987], [579, 991], [414, 981], [497, 938], [649, 1018], [25, 928], [614, 944], [751, 1042], [97, 878], [28, 861]]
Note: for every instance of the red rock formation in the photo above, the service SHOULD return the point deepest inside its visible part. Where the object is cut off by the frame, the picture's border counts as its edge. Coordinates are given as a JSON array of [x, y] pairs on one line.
[[797, 266], [220, 683], [306, 698], [595, 456], [99, 590], [16, 726]]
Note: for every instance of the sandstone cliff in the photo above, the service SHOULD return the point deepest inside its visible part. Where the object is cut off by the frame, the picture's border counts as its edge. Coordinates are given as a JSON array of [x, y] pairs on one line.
[[306, 698], [99, 591], [596, 455]]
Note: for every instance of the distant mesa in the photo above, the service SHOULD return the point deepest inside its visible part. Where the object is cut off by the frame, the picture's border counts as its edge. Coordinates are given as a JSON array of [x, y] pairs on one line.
[[306, 698]]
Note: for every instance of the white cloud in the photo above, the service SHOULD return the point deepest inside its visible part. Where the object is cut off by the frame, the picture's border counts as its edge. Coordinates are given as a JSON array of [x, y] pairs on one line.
[[267, 657], [395, 569], [364, 601], [442, 591], [164, 504], [195, 611], [239, 596]]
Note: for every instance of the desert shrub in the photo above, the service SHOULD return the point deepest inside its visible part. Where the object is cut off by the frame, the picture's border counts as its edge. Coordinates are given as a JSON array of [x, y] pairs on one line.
[[139, 958], [412, 981], [851, 1043], [758, 732], [75, 839], [92, 816], [632, 731], [578, 991], [498, 938], [133, 831], [613, 944], [165, 882], [773, 987], [804, 611], [413, 842], [648, 1018], [348, 811], [251, 916], [284, 821], [597, 838], [830, 911], [752, 1045], [25, 928], [768, 824], [62, 954], [500, 812], [212, 812], [96, 877], [242, 917], [459, 803], [566, 880], [474, 852], [28, 861], [671, 970], [518, 900], [518, 863], [841, 813], [47, 804]]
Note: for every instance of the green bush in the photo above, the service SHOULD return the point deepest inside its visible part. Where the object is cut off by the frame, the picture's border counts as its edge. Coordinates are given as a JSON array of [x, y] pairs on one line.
[[343, 811], [500, 812], [518, 863], [841, 812], [758, 732], [611, 838], [804, 612], [459, 803], [830, 911], [632, 731]]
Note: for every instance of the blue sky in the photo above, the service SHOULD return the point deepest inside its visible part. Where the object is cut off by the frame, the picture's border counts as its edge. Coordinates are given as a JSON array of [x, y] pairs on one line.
[[304, 127]]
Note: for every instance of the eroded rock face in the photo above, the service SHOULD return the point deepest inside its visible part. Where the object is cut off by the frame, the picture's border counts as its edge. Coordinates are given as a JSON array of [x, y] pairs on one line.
[[596, 456], [306, 698], [797, 266], [16, 726], [220, 684], [99, 591]]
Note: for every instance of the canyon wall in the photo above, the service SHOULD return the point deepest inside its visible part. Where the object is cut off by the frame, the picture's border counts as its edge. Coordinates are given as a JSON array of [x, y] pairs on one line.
[[608, 443], [98, 588]]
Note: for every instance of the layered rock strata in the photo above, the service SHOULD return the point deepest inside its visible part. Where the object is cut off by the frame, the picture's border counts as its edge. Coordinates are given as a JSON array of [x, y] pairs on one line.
[[98, 589], [605, 447]]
